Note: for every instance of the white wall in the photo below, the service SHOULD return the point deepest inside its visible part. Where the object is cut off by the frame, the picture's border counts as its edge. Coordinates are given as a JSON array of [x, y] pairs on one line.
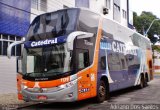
[[8, 81], [98, 5], [157, 61], [52, 5], [95, 5]]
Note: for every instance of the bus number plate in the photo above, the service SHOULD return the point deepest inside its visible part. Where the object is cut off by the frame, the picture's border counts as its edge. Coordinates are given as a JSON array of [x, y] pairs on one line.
[[42, 97]]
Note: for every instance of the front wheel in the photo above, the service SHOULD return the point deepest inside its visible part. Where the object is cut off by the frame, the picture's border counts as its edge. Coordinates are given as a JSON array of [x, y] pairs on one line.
[[103, 92]]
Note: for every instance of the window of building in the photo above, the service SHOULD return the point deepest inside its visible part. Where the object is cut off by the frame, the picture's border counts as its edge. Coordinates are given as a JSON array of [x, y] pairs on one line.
[[108, 4], [5, 37], [12, 38], [39, 5], [116, 11], [5, 41], [43, 5], [116, 7], [124, 13], [34, 4], [5, 45]]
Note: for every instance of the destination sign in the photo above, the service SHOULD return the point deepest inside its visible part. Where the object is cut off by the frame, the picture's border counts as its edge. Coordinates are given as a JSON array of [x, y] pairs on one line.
[[46, 42]]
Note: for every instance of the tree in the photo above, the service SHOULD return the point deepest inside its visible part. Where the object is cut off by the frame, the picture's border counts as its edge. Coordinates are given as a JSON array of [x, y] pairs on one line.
[[142, 23]]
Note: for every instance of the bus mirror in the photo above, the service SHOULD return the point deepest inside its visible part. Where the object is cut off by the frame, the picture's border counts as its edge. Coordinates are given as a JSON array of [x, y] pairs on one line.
[[19, 64], [87, 35], [79, 35], [9, 49]]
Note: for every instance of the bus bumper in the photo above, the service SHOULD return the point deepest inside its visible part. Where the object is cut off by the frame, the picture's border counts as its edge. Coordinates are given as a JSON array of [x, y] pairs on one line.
[[55, 94]]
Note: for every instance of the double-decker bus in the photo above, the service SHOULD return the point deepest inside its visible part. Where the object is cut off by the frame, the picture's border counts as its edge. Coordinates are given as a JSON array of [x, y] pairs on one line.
[[74, 54]]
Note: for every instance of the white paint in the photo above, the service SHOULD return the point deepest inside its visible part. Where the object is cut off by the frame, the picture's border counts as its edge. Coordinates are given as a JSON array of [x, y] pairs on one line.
[[8, 83], [92, 77], [36, 85]]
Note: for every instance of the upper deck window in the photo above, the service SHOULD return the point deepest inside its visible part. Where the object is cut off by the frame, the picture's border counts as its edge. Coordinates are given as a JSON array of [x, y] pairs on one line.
[[54, 24]]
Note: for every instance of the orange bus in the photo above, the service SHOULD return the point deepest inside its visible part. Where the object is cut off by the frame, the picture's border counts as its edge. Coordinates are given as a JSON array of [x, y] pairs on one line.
[[74, 54]]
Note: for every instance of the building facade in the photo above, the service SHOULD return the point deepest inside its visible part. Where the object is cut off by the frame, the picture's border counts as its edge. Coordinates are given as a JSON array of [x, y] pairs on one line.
[[118, 10], [14, 23], [156, 61]]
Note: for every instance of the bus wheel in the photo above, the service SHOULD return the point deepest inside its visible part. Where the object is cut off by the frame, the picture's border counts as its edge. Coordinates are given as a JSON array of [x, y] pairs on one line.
[[142, 82], [146, 80], [101, 95], [145, 83]]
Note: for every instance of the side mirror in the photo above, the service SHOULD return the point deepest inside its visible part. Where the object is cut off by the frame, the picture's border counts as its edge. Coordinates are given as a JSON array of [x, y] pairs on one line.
[[79, 35], [19, 64], [9, 49]]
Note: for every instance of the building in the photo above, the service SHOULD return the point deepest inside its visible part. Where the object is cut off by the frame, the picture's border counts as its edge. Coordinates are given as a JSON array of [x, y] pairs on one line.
[[14, 23], [156, 61], [16, 16], [117, 10]]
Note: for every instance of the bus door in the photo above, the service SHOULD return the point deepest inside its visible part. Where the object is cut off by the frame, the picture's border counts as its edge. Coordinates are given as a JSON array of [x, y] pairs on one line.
[[82, 62]]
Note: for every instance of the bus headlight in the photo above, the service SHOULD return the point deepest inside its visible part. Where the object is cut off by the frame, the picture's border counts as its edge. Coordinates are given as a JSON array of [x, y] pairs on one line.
[[23, 86]]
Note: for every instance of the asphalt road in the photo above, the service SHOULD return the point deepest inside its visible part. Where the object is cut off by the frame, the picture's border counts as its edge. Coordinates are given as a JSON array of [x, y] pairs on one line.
[[132, 98]]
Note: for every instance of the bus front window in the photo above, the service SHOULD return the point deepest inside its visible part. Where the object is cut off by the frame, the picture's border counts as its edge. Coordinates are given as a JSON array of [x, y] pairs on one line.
[[47, 61], [51, 25]]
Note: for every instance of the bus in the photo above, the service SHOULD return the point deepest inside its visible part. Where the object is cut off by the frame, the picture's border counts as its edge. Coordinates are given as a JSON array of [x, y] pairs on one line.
[[74, 54]]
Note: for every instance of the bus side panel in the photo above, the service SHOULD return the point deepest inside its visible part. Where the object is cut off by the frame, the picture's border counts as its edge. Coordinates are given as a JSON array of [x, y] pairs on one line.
[[84, 84], [93, 70]]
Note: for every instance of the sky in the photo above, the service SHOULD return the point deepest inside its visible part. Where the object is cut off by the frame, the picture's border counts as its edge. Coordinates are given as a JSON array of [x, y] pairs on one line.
[[146, 5]]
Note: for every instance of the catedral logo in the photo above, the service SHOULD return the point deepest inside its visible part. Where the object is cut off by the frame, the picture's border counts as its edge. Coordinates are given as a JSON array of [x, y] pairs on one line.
[[118, 47], [45, 42]]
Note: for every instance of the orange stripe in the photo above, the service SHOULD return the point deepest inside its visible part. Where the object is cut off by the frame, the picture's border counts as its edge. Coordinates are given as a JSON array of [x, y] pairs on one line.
[[19, 80]]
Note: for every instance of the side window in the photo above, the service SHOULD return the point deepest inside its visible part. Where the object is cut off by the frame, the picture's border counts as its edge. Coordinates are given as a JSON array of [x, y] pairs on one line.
[[89, 23], [82, 58], [103, 62], [123, 61], [114, 62]]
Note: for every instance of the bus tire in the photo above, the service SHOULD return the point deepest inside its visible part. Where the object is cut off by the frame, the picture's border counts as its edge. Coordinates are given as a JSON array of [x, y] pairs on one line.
[[146, 79], [142, 82], [102, 90]]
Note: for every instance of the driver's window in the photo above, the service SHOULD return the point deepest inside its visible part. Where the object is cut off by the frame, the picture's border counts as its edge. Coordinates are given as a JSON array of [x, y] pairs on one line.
[[83, 59]]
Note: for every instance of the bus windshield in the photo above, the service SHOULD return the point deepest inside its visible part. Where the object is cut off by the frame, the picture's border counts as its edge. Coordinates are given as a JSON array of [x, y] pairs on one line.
[[47, 61], [51, 25]]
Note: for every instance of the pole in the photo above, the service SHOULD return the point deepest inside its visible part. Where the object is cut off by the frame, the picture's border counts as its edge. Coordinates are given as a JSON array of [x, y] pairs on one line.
[[150, 26]]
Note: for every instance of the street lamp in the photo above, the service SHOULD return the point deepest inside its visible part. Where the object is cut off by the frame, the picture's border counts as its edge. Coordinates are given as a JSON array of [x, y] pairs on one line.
[[150, 26]]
